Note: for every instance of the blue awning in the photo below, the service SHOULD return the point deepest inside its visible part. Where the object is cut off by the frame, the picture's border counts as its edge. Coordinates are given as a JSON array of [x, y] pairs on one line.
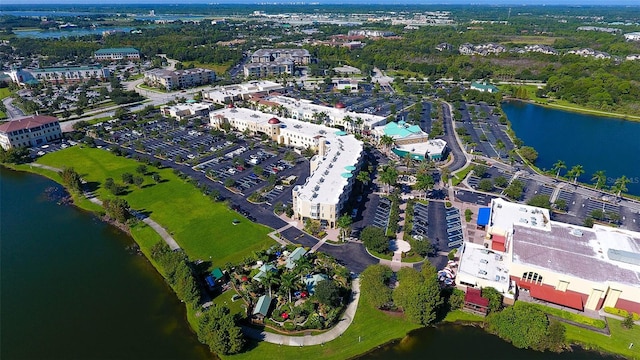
[[483, 216]]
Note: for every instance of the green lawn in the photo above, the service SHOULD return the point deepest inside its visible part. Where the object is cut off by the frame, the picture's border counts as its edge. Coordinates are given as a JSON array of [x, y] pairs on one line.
[[617, 343], [202, 228], [597, 323], [224, 299], [4, 92], [370, 328], [460, 175], [459, 315]]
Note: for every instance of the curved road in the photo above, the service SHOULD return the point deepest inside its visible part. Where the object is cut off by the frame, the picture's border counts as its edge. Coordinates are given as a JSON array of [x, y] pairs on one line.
[[309, 340], [12, 111], [459, 156]]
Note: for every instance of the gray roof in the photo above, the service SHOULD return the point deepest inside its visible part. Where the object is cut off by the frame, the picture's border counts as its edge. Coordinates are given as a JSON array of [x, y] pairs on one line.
[[570, 251]]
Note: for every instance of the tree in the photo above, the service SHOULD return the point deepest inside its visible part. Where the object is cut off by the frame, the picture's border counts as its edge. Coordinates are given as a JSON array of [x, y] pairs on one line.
[[600, 179], [500, 146], [258, 170], [117, 209], [327, 293], [529, 154], [540, 200], [456, 299], [522, 324], [156, 177], [560, 204], [485, 185], [389, 176], [127, 178], [500, 181], [386, 141], [514, 190], [374, 239], [479, 170], [138, 180], [495, 298], [620, 185], [344, 223], [229, 182], [558, 166], [628, 321], [424, 182], [575, 172], [363, 177], [218, 329], [269, 279], [141, 169], [71, 179], [288, 282], [418, 295], [373, 284]]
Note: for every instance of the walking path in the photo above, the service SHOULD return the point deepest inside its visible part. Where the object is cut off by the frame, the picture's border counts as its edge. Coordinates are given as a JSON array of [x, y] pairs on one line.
[[275, 235], [173, 245], [309, 340]]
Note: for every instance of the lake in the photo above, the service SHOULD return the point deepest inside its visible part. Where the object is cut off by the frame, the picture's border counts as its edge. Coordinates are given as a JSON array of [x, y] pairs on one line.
[[72, 290], [596, 143], [56, 34], [451, 341]]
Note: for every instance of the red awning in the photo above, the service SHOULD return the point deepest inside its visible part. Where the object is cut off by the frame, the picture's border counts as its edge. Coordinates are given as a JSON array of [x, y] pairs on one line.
[[497, 238], [474, 296], [498, 246], [547, 293]]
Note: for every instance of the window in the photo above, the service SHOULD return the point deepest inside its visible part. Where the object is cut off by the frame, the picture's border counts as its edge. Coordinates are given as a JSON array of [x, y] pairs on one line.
[[532, 277]]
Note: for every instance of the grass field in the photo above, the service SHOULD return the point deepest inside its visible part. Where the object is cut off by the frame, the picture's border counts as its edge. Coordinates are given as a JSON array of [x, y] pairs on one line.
[[617, 343], [203, 228], [370, 328], [4, 92], [597, 323], [219, 69]]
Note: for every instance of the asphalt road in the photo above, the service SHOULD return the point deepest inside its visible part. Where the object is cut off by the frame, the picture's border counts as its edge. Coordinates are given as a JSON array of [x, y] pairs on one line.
[[459, 157], [12, 111]]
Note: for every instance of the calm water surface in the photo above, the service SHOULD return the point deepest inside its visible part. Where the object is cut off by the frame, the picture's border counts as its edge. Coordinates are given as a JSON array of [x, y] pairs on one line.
[[466, 342], [71, 290], [596, 143]]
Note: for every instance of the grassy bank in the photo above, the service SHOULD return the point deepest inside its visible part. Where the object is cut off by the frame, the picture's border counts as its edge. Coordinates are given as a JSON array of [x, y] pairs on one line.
[[617, 343], [203, 228], [568, 106]]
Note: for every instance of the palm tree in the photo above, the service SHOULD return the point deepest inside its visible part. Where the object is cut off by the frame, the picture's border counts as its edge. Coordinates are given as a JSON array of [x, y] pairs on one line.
[[600, 178], [270, 278], [500, 146], [344, 223], [576, 171], [389, 176], [407, 160], [348, 122], [620, 185], [288, 282], [364, 177], [558, 166], [387, 141], [424, 182]]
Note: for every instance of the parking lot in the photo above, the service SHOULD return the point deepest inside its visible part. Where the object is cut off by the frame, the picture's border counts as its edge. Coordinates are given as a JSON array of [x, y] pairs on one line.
[[485, 131]]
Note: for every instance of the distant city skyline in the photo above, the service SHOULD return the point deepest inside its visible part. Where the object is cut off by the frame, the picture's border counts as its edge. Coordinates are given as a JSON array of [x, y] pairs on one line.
[[332, 2]]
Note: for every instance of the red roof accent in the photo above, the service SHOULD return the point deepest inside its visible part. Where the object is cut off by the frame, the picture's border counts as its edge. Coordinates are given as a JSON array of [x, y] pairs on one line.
[[474, 296], [27, 123], [230, 106], [340, 105], [548, 293], [274, 121], [498, 246], [497, 238]]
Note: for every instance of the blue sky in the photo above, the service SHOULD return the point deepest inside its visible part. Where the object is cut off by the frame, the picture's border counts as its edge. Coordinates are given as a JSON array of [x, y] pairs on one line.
[[390, 2]]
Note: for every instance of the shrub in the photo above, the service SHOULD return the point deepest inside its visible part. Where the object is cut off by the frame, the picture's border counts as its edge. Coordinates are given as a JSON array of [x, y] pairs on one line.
[[621, 312]]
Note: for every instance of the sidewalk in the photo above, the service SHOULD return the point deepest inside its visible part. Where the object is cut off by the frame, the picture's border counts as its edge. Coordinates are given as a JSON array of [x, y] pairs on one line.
[[309, 340], [173, 245]]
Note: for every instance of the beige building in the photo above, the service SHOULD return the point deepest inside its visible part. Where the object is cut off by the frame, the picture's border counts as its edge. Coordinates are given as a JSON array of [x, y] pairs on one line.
[[179, 79], [273, 62], [185, 111], [111, 54], [573, 266], [243, 91], [29, 131], [339, 156]]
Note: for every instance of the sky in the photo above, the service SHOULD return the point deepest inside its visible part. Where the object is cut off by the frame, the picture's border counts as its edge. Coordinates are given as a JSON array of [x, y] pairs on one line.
[[390, 2]]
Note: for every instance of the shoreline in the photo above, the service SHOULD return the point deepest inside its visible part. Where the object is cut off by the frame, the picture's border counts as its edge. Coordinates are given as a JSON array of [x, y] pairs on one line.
[[578, 110]]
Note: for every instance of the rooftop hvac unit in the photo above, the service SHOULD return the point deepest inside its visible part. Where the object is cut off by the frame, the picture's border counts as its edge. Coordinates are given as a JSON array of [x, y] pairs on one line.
[[322, 179]]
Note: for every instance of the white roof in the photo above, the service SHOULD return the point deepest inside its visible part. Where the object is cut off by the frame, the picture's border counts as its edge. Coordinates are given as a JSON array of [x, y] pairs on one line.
[[246, 88], [433, 146], [480, 263], [193, 107], [504, 215], [306, 106], [325, 184]]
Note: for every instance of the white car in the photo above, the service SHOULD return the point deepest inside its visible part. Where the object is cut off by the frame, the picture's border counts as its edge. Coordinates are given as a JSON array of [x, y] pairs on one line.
[[40, 153], [231, 171], [418, 237]]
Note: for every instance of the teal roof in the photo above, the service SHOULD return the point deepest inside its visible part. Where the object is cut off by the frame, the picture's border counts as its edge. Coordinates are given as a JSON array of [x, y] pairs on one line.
[[217, 273], [294, 256], [403, 153], [341, 133], [191, 101], [346, 175], [485, 86], [350, 167], [117, 51], [263, 270], [394, 129], [262, 307], [312, 281]]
